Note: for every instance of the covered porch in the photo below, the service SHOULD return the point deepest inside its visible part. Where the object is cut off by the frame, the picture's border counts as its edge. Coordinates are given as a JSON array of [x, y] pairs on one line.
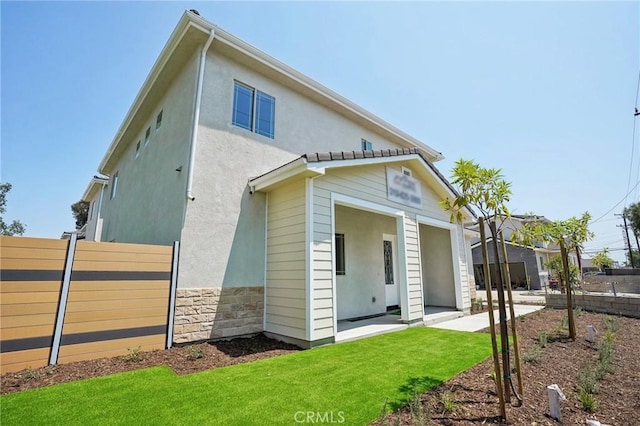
[[359, 246], [387, 323]]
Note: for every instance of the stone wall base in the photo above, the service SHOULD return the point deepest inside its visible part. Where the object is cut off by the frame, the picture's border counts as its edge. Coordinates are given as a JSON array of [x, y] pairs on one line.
[[213, 313]]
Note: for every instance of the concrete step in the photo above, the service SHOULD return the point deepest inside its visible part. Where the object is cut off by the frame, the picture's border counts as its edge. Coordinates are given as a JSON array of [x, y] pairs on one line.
[[431, 318]]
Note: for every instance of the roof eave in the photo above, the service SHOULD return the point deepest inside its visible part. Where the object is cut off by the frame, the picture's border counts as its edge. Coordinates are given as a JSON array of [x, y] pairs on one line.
[[186, 21], [94, 182]]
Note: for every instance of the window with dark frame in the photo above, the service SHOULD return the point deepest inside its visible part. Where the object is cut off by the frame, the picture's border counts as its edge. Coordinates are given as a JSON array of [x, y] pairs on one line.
[[114, 185], [366, 145], [147, 136], [253, 110], [137, 150], [158, 121], [387, 248], [340, 257]]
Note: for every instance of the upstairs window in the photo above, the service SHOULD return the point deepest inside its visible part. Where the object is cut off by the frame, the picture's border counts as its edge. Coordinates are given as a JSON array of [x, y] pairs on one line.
[[114, 185], [158, 121], [366, 145], [147, 136], [137, 150], [254, 110]]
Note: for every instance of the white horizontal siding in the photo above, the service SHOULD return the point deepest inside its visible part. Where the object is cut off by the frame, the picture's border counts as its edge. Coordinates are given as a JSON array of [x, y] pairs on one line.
[[370, 183], [285, 308], [414, 279], [322, 304]]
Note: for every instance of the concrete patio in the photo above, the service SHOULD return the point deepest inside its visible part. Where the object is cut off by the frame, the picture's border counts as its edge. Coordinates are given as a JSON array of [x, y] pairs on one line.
[[434, 317]]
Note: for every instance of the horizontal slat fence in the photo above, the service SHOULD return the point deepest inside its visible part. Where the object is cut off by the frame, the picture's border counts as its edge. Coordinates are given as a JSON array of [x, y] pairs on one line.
[[117, 299]]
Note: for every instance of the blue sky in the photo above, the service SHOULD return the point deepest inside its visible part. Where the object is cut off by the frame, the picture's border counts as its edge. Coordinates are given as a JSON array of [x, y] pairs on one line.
[[545, 91]]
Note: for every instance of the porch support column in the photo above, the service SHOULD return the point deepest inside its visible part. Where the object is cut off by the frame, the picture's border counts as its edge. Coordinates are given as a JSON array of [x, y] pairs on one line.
[[309, 266], [403, 282]]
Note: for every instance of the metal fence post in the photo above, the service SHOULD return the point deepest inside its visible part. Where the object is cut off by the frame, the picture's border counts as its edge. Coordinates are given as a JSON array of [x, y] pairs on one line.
[[172, 294], [64, 295]]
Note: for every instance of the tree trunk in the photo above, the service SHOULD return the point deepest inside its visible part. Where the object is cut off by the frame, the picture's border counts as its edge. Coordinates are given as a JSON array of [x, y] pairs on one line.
[[502, 309], [565, 266], [492, 324]]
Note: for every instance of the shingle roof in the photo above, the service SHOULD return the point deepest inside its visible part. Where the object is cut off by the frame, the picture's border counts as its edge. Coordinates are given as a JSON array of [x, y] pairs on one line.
[[317, 157], [356, 155]]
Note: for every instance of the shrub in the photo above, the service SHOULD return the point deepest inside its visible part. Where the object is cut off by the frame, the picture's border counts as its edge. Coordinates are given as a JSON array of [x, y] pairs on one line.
[[133, 355], [605, 358], [195, 352], [588, 400], [611, 324], [532, 355], [31, 373], [588, 380], [542, 339], [419, 413], [448, 401]]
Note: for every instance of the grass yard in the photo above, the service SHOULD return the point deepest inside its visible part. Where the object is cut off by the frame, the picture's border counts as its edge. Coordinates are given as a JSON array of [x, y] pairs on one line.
[[348, 382]]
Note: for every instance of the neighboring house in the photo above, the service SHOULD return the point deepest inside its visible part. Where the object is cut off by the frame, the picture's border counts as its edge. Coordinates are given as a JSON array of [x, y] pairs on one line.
[[80, 233], [526, 264], [294, 207], [94, 195]]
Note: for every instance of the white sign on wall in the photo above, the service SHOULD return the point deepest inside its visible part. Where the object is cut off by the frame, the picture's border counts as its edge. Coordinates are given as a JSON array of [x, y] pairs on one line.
[[403, 189]]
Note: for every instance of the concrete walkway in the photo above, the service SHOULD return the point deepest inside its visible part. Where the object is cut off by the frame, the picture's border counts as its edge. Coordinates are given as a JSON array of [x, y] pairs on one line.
[[480, 321], [534, 297]]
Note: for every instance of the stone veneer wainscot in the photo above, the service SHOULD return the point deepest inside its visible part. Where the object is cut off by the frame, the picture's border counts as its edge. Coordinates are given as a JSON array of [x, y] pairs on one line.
[[212, 313]]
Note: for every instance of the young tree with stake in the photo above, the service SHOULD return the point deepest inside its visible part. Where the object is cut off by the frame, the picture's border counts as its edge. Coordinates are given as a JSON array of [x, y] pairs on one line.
[[486, 190]]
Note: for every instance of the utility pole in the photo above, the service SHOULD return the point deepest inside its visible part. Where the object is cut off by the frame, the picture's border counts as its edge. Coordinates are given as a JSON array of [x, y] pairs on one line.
[[626, 230]]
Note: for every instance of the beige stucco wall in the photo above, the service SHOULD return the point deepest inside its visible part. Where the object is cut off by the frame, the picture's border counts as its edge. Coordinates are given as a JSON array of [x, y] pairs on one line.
[[364, 277], [437, 266], [150, 198], [223, 235]]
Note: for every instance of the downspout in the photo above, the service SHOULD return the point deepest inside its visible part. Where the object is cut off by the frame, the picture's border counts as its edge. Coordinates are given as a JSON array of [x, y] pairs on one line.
[[97, 237], [196, 116]]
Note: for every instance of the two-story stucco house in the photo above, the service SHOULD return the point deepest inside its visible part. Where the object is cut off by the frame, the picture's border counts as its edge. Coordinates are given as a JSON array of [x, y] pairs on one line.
[[295, 208]]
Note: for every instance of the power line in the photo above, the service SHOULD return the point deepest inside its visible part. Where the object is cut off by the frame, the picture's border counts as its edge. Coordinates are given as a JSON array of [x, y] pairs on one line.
[[617, 204], [633, 141]]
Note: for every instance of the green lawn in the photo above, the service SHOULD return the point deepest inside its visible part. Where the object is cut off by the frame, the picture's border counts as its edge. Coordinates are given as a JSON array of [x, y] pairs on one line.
[[351, 380]]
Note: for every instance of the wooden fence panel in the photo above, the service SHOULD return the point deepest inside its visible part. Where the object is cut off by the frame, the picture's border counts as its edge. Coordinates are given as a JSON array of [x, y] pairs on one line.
[[118, 299], [30, 282]]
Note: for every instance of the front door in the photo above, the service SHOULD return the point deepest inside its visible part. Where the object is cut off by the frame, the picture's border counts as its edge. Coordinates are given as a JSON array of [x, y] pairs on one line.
[[390, 268]]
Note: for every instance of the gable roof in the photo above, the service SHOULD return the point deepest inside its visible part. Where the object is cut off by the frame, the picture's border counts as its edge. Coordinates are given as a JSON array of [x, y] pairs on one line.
[[190, 35], [94, 185], [314, 164]]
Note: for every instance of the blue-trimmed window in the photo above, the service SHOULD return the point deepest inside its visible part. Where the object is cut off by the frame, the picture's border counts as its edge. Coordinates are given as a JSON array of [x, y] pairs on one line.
[[366, 145], [254, 110]]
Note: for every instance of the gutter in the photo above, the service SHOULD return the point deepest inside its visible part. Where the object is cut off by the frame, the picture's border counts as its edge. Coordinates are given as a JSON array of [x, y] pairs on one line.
[[196, 116]]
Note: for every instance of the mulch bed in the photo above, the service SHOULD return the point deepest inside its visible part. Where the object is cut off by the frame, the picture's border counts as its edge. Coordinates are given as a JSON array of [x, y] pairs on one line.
[[472, 392]]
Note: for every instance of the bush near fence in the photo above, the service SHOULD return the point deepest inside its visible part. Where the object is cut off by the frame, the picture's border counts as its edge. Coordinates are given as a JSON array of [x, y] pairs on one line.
[[118, 297]]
